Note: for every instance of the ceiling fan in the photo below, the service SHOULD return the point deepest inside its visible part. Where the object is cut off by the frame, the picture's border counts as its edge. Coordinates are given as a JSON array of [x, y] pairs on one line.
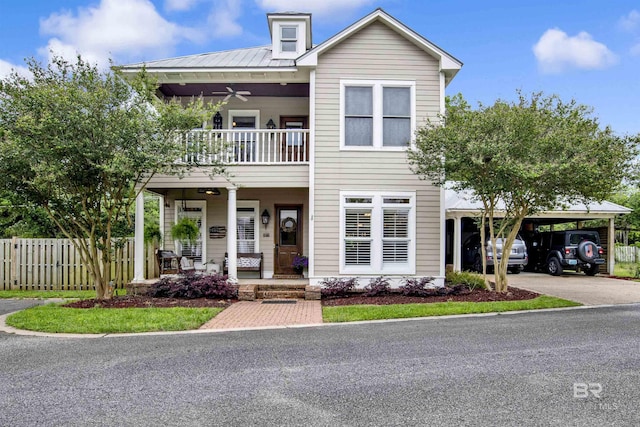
[[233, 93]]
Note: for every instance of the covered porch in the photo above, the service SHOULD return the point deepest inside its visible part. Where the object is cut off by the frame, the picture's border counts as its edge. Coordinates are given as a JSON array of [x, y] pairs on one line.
[[272, 222]]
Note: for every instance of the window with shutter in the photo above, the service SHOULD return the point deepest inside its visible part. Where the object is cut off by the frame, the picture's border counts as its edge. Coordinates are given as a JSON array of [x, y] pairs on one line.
[[395, 238], [357, 243], [378, 232], [247, 227]]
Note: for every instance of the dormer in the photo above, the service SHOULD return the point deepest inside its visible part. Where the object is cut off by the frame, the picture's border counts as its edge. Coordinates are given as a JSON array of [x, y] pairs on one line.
[[290, 34]]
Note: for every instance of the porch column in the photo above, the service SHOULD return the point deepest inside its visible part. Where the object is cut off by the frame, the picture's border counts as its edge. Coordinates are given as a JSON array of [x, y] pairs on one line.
[[611, 249], [231, 234], [138, 269], [457, 244]]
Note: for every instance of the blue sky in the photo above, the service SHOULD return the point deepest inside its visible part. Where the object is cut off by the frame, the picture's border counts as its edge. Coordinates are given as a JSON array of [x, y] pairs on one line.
[[587, 50]]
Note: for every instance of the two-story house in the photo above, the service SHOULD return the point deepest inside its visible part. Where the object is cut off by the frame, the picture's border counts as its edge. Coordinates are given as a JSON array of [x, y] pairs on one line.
[[315, 138]]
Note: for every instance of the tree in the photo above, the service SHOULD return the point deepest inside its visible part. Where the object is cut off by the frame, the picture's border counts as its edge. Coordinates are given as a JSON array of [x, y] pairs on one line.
[[522, 157], [81, 143]]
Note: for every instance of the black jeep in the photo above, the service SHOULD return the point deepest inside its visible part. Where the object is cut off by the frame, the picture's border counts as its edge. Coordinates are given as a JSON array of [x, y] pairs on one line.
[[573, 249]]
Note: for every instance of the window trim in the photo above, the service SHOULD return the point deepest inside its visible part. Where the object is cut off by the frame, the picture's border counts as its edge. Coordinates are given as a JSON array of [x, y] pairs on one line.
[[377, 266], [247, 113], [278, 53], [255, 204], [378, 116]]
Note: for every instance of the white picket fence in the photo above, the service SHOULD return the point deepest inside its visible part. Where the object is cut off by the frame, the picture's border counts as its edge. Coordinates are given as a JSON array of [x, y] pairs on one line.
[[54, 264], [627, 254]]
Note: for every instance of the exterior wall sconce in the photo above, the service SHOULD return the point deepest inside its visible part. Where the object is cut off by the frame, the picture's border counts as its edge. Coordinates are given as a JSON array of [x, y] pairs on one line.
[[217, 120], [265, 218], [271, 125]]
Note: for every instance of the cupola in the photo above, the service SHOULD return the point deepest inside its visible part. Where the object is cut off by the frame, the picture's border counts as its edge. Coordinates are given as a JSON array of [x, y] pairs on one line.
[[290, 34]]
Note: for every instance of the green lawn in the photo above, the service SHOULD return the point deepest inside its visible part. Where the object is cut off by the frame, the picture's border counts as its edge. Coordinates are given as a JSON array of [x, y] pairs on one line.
[[626, 269], [54, 294], [54, 318], [352, 313]]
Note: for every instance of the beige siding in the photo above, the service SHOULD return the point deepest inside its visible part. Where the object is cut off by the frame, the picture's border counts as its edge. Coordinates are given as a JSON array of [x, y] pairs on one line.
[[375, 52], [217, 216], [242, 176]]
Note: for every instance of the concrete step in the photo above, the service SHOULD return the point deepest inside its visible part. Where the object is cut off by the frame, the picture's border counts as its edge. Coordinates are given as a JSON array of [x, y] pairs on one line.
[[280, 294], [281, 287]]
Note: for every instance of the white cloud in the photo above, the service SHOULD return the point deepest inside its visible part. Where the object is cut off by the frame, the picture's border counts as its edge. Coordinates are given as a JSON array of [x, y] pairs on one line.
[[223, 19], [316, 7], [556, 51], [113, 28], [7, 68], [631, 22], [180, 5], [635, 50]]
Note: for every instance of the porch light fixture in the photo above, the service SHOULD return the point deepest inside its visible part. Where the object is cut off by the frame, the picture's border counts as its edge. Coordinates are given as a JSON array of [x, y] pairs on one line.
[[209, 191], [271, 125], [265, 217]]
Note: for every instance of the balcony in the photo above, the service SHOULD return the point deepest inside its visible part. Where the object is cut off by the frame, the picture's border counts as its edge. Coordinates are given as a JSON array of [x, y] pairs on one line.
[[247, 147]]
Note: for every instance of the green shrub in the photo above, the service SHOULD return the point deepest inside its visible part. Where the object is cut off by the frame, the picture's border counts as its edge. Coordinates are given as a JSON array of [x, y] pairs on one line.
[[472, 280]]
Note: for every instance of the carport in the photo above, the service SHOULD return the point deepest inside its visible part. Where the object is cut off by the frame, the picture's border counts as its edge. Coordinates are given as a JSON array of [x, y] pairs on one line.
[[462, 211]]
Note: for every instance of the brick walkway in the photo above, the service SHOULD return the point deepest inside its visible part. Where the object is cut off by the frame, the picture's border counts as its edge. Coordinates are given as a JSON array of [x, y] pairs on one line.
[[251, 314]]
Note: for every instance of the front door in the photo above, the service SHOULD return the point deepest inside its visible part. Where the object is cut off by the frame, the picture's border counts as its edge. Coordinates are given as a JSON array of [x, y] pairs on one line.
[[295, 146], [288, 234]]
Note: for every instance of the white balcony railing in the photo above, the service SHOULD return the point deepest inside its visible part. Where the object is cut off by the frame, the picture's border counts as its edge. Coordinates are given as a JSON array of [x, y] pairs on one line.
[[262, 146]]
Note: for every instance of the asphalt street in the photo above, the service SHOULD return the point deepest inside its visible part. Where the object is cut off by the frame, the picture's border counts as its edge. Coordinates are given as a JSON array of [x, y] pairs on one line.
[[577, 367]]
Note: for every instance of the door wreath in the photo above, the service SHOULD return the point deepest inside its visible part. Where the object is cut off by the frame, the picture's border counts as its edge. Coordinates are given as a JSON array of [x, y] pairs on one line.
[[288, 225]]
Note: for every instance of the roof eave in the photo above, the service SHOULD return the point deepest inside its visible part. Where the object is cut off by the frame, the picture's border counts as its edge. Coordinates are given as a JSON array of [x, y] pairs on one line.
[[209, 70]]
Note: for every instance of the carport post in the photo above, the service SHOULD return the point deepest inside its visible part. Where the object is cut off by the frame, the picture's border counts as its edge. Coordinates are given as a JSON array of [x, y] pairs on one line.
[[457, 244], [611, 250]]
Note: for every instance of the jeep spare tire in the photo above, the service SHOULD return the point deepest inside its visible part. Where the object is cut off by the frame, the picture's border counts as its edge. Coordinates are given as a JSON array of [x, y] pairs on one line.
[[587, 251]]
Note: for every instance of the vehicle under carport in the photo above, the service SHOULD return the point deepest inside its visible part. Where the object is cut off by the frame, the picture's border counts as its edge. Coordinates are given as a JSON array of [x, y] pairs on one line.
[[462, 214]]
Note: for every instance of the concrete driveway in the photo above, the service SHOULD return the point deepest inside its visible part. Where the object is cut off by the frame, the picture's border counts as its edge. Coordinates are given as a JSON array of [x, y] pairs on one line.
[[596, 290]]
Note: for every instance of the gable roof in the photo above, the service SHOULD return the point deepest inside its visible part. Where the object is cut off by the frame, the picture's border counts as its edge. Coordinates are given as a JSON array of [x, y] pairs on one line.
[[448, 63]]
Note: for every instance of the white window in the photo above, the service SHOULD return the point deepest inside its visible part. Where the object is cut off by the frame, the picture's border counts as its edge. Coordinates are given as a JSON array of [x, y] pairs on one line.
[[247, 227], [196, 210], [288, 39], [378, 233], [377, 114]]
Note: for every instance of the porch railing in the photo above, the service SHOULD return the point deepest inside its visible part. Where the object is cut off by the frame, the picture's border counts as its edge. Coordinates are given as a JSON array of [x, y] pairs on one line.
[[243, 147]]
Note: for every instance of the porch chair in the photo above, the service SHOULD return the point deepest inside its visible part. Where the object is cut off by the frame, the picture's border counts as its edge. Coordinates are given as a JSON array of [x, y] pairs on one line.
[[167, 261], [186, 265]]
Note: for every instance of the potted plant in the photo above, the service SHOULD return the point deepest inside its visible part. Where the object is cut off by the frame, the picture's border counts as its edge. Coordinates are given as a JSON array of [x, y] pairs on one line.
[[185, 230], [299, 263]]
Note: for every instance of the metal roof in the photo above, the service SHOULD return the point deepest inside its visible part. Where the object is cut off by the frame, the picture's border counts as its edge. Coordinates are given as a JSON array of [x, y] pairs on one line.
[[252, 57], [464, 201]]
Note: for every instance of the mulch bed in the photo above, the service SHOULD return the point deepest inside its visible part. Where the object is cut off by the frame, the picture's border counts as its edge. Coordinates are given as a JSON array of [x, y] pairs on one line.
[[141, 301], [148, 302], [481, 295]]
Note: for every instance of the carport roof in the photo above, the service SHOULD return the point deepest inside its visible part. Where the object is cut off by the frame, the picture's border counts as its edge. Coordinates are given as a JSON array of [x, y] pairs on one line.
[[464, 202]]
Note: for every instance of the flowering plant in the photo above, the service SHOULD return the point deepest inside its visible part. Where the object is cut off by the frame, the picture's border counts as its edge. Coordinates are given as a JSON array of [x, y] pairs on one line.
[[300, 261]]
